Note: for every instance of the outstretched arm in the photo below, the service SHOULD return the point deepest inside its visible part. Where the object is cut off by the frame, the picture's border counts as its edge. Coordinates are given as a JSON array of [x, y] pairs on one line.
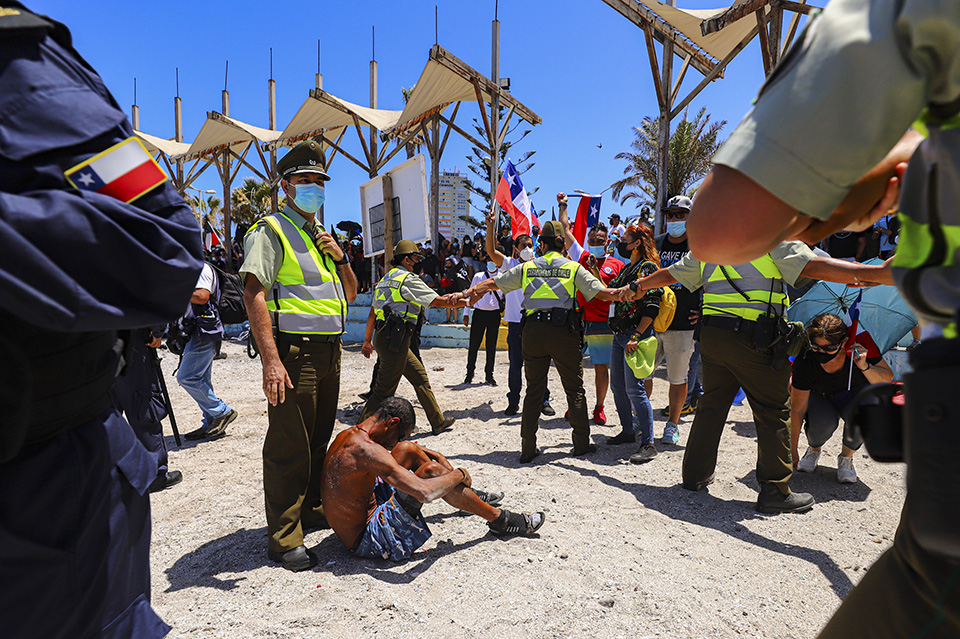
[[834, 270], [568, 237], [490, 241]]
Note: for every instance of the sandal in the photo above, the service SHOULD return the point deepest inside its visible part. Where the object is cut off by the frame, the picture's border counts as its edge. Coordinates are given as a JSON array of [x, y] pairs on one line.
[[509, 523], [492, 498]]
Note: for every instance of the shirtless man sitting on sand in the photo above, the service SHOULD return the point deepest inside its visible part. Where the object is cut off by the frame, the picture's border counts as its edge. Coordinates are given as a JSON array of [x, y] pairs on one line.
[[373, 486]]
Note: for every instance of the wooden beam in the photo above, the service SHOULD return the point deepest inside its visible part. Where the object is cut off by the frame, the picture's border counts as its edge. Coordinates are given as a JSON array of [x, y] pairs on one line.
[[482, 146], [764, 42], [366, 149], [679, 80], [641, 15], [733, 14], [799, 7], [504, 127], [486, 121], [794, 23], [453, 117], [707, 79], [654, 66], [776, 25], [347, 155]]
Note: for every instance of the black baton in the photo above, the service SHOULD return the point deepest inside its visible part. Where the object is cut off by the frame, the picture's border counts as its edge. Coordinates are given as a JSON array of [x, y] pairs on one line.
[[166, 397]]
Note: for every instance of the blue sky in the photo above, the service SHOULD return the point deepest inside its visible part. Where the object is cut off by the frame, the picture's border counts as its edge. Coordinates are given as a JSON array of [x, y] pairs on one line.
[[579, 64]]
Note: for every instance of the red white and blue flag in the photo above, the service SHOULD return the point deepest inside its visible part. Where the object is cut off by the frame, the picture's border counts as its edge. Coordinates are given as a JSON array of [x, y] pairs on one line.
[[210, 237], [856, 334], [588, 215], [125, 171], [512, 197]]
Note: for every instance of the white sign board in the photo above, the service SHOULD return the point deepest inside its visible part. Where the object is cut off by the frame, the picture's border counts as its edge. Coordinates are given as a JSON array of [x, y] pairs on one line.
[[411, 220]]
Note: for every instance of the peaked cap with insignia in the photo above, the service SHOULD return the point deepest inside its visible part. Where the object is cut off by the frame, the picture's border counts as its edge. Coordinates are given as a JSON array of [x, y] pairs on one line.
[[306, 157]]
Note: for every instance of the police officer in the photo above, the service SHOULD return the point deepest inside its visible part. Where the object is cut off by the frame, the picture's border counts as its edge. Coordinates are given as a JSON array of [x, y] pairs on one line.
[[77, 267], [298, 282], [835, 116], [399, 299], [743, 306], [552, 330]]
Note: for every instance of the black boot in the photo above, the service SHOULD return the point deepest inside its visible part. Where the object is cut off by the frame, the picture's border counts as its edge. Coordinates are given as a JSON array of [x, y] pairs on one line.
[[773, 502]]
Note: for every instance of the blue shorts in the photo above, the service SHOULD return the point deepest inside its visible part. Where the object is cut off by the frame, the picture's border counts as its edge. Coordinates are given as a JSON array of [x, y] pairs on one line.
[[599, 341], [392, 532]]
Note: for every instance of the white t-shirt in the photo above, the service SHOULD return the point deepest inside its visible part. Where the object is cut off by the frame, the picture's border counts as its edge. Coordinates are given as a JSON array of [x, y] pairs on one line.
[[512, 311], [208, 281], [489, 301]]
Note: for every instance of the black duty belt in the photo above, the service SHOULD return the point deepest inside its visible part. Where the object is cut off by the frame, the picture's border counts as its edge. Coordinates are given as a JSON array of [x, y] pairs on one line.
[[549, 316], [731, 323], [293, 338]]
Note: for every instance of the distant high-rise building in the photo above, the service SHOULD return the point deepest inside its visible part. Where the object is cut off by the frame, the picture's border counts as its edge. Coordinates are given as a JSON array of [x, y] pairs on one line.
[[454, 203]]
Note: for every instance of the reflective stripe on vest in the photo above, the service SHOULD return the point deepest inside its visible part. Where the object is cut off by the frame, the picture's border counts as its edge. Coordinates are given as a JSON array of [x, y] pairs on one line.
[[548, 282], [760, 280], [386, 296], [927, 257], [307, 297]]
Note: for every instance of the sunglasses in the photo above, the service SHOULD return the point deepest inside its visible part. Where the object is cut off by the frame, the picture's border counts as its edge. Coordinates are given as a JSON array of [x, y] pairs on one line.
[[675, 215], [829, 348]]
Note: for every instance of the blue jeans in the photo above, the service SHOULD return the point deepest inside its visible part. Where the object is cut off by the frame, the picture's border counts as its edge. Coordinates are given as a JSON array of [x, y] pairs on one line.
[[629, 395], [515, 354], [694, 386], [194, 376]]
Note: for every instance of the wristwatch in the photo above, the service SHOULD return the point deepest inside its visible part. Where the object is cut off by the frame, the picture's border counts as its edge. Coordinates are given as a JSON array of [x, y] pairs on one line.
[[345, 260], [634, 285]]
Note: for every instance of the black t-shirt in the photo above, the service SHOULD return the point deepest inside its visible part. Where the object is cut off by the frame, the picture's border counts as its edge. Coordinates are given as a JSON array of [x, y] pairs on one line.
[[670, 253], [843, 244], [809, 375]]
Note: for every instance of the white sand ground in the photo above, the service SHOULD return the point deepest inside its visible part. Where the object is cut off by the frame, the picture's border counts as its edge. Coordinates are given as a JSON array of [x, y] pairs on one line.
[[625, 551]]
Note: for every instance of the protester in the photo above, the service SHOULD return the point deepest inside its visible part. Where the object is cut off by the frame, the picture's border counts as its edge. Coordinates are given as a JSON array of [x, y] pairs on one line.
[[825, 379], [676, 344], [846, 245], [887, 229], [632, 322], [522, 251], [298, 285], [195, 374], [617, 229], [484, 318], [374, 486]]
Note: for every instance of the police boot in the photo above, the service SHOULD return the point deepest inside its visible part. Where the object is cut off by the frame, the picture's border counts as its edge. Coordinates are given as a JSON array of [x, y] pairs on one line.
[[773, 502], [529, 451]]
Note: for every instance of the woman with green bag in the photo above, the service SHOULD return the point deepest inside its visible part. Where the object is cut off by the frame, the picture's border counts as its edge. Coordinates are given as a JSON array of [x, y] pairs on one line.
[[632, 323]]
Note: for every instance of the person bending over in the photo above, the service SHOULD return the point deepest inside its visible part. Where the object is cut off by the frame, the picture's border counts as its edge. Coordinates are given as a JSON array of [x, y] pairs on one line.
[[374, 485]]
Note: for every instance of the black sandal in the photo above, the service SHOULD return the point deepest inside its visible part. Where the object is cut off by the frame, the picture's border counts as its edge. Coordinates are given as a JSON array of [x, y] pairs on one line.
[[509, 523]]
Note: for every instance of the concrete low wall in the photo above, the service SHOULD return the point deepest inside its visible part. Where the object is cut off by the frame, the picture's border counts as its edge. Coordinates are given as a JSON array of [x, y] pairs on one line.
[[434, 333]]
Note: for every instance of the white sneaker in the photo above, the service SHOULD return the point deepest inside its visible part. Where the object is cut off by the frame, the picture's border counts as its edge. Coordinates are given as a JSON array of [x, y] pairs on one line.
[[846, 473], [809, 462]]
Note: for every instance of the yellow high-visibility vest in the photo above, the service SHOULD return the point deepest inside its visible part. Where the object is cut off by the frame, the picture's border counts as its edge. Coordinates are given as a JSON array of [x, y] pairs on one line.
[[760, 280]]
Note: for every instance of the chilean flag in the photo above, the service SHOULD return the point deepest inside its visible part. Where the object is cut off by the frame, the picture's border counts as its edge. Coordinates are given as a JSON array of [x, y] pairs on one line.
[[588, 214], [125, 171], [857, 335], [513, 198], [210, 237]]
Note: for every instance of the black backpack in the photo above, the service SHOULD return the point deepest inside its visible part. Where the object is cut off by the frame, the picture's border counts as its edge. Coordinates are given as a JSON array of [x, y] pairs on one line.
[[230, 304]]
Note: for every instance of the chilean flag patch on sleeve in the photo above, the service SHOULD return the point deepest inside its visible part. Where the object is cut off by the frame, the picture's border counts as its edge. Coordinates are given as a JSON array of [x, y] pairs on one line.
[[125, 171]]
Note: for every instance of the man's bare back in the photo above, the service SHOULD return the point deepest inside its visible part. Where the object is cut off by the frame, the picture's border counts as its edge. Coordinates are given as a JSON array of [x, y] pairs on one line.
[[372, 449]]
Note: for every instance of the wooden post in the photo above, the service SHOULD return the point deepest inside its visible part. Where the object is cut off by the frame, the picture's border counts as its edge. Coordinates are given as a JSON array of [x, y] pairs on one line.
[[225, 175], [665, 82], [435, 181], [386, 184], [272, 124], [178, 136], [494, 113]]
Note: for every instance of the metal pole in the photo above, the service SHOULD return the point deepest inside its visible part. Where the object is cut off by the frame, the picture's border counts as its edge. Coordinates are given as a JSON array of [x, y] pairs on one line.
[[135, 112], [226, 191]]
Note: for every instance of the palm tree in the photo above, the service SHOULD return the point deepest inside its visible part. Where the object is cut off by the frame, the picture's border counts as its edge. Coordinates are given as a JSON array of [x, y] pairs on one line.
[[250, 201], [691, 146], [413, 146]]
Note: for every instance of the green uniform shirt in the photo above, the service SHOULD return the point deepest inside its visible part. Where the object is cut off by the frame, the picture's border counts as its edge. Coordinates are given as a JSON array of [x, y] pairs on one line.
[[583, 280], [856, 81], [790, 257], [263, 252], [414, 290]]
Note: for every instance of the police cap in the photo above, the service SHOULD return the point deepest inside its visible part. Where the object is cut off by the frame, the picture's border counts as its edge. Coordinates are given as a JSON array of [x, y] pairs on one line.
[[405, 247], [306, 157], [552, 228]]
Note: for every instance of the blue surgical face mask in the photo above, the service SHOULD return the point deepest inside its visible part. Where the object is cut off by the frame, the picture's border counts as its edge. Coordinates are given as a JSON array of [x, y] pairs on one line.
[[596, 251], [676, 229], [309, 197], [491, 267]]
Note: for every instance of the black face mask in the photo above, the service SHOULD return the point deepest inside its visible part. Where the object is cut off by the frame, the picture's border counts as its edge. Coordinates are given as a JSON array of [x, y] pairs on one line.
[[624, 250], [823, 358]]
